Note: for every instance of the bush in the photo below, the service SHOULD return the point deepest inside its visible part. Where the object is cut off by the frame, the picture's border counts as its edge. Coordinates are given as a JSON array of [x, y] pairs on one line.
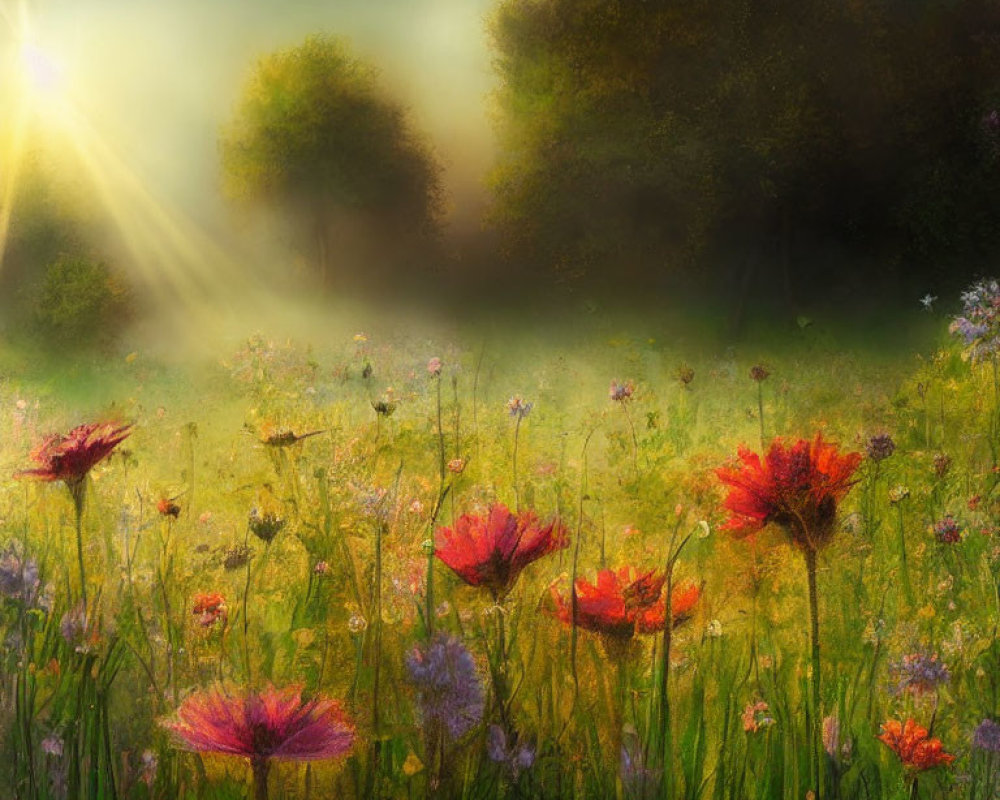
[[79, 303]]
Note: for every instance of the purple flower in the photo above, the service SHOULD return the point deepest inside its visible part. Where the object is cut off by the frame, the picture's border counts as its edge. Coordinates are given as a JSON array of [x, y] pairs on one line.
[[449, 689], [73, 627], [519, 407], [987, 736], [991, 122], [979, 324], [52, 745], [516, 758], [947, 530], [147, 767], [19, 577], [434, 367], [640, 781], [918, 673], [620, 392], [880, 447]]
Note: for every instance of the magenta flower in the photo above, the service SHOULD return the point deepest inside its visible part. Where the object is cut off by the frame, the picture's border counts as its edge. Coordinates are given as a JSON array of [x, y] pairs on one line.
[[69, 457], [263, 725]]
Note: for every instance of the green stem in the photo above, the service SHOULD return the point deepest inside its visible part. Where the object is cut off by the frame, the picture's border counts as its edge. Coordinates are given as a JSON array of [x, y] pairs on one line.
[[260, 767], [904, 569], [815, 724], [517, 433], [78, 490], [760, 413]]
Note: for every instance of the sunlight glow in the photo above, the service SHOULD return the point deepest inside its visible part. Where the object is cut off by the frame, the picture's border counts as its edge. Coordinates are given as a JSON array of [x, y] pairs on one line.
[[42, 71], [166, 251]]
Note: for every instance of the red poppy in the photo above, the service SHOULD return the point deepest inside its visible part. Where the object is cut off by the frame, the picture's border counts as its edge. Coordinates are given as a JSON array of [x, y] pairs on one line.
[[168, 508], [69, 457], [915, 749], [492, 550], [797, 487], [623, 603], [210, 606]]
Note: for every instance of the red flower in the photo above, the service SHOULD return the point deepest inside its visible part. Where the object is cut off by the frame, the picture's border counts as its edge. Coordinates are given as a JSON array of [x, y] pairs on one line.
[[69, 457], [796, 487], [492, 550], [210, 606], [622, 603], [168, 508], [273, 723], [911, 743]]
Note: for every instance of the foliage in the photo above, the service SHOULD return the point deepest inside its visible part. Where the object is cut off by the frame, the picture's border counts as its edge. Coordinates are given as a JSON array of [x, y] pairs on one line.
[[79, 302], [316, 138], [643, 135]]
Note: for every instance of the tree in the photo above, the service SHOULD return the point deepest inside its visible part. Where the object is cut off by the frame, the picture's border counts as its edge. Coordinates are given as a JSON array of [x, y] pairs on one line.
[[710, 136], [316, 139]]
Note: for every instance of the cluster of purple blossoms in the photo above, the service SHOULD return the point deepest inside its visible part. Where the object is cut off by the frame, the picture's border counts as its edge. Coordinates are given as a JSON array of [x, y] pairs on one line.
[[979, 324], [880, 447], [641, 782], [515, 757], [918, 673], [518, 407], [76, 630], [987, 736], [947, 530], [19, 580], [449, 689], [620, 392]]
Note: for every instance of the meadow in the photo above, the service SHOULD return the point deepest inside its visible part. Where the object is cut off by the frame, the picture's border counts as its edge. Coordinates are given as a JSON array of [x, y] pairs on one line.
[[344, 568]]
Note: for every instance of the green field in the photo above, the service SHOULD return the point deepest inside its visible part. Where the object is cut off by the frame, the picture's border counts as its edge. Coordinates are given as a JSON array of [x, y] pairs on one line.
[[348, 595]]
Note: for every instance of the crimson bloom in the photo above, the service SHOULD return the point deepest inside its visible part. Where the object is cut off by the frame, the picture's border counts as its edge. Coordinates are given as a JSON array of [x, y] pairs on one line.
[[797, 487], [70, 457], [916, 750], [492, 550], [209, 607], [261, 726], [622, 603]]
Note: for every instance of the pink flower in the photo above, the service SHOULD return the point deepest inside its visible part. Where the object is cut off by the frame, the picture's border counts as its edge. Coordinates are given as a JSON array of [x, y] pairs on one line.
[[261, 725], [69, 457]]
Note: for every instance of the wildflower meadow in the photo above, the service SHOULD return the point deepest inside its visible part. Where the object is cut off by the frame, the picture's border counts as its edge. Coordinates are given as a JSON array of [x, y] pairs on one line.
[[399, 567]]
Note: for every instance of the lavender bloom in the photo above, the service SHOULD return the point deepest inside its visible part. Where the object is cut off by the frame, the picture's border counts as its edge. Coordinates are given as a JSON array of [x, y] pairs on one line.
[[19, 577], [449, 689], [880, 447], [987, 736], [640, 781], [52, 745], [831, 736], [947, 530], [620, 392], [918, 673], [519, 407], [73, 627], [979, 324], [515, 758], [147, 767], [265, 526]]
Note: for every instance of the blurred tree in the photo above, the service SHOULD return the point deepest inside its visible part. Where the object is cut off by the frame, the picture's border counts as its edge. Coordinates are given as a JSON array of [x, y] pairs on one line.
[[645, 138], [317, 140], [78, 303]]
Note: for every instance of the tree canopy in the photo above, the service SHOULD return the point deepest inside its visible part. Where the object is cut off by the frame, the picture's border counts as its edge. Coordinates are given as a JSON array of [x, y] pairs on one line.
[[649, 137], [316, 139]]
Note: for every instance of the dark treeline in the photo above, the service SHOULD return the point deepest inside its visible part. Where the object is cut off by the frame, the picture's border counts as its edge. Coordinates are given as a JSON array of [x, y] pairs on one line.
[[790, 147], [762, 153]]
